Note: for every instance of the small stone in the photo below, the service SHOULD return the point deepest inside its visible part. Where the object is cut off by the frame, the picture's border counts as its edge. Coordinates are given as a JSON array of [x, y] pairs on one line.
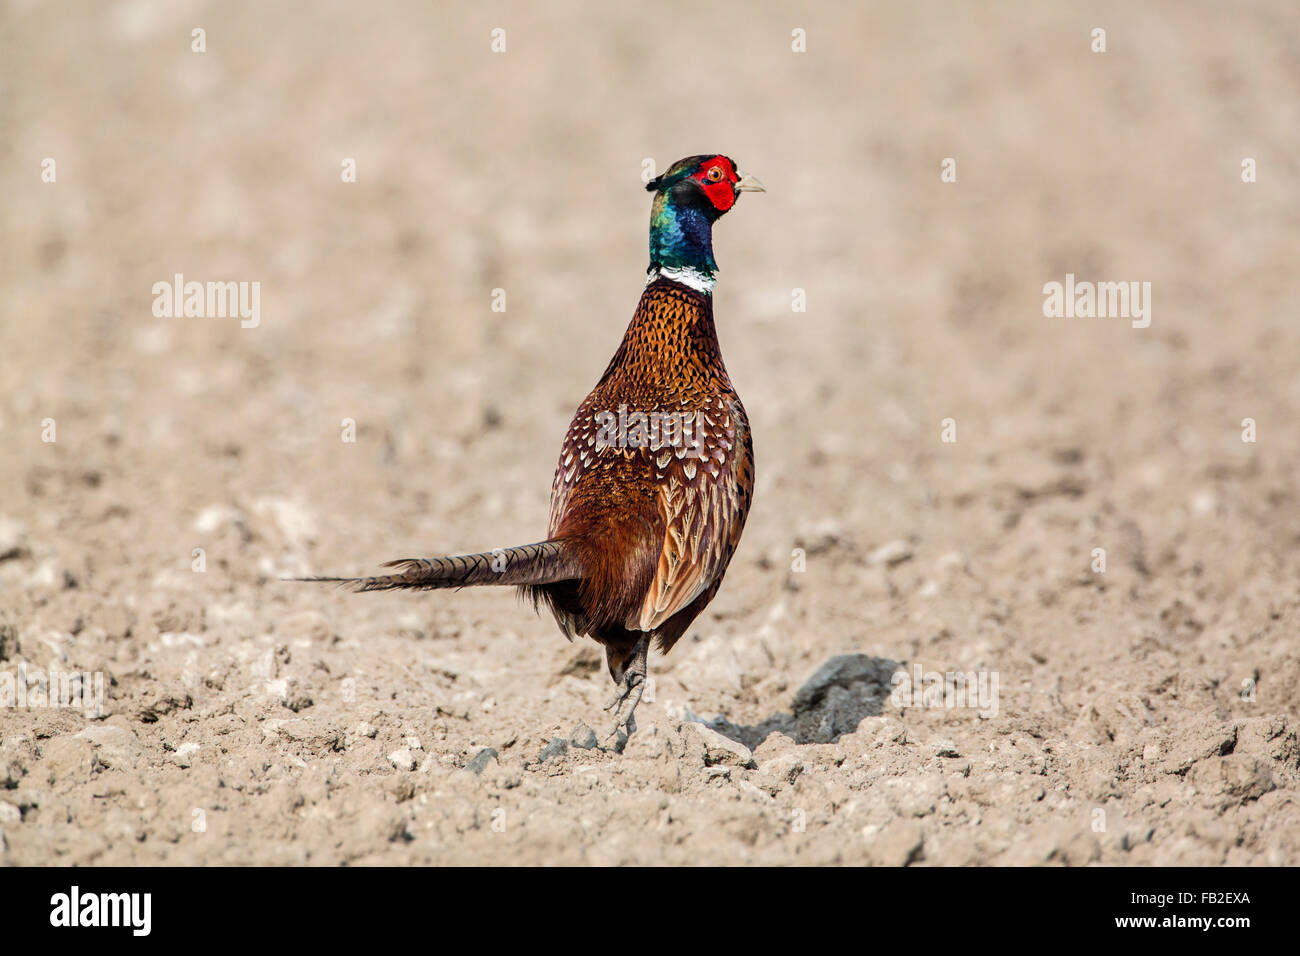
[[895, 552], [558, 747], [413, 743], [114, 746], [364, 729], [722, 750], [163, 701], [583, 737], [824, 536], [184, 756], [481, 760], [215, 517], [10, 814], [313, 733], [946, 748], [402, 759], [785, 767], [295, 696]]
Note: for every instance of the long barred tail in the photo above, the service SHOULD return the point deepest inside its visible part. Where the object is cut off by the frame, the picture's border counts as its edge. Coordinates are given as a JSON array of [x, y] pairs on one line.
[[541, 563]]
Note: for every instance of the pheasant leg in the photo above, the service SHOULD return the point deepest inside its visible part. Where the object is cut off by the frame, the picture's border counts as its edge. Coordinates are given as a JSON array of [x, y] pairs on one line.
[[629, 694]]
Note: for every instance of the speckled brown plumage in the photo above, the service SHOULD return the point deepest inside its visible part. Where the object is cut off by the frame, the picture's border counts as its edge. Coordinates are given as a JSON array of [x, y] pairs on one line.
[[655, 527]]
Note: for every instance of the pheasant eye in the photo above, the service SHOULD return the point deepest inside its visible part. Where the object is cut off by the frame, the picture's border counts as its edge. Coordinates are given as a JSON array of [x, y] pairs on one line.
[[715, 174]]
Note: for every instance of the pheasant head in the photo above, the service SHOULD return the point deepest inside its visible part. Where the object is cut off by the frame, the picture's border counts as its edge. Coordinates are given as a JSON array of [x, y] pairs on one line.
[[689, 198]]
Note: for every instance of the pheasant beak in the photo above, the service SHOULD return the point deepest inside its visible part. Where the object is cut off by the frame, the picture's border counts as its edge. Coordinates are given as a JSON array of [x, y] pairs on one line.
[[748, 184]]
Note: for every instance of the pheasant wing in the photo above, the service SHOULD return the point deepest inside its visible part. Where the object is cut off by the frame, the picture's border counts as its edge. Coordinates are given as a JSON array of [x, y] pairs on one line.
[[705, 487]]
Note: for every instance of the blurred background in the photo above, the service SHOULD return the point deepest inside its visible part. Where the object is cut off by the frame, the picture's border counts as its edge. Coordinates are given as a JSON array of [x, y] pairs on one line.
[[521, 170]]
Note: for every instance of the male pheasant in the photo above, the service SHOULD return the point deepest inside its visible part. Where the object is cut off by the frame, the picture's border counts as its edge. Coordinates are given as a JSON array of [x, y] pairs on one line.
[[656, 472]]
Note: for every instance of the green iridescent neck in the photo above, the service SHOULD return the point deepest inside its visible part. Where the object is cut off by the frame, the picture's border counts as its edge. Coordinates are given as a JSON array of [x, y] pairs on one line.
[[681, 237]]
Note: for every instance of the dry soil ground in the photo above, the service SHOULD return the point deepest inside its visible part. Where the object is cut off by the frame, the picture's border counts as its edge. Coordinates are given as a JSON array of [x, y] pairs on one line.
[[1146, 713]]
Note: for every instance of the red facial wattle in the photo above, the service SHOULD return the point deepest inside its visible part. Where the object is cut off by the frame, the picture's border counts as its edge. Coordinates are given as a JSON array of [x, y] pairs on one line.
[[721, 193]]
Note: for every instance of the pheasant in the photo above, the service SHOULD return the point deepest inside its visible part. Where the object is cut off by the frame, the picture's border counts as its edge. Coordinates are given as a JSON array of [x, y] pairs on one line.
[[656, 472]]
